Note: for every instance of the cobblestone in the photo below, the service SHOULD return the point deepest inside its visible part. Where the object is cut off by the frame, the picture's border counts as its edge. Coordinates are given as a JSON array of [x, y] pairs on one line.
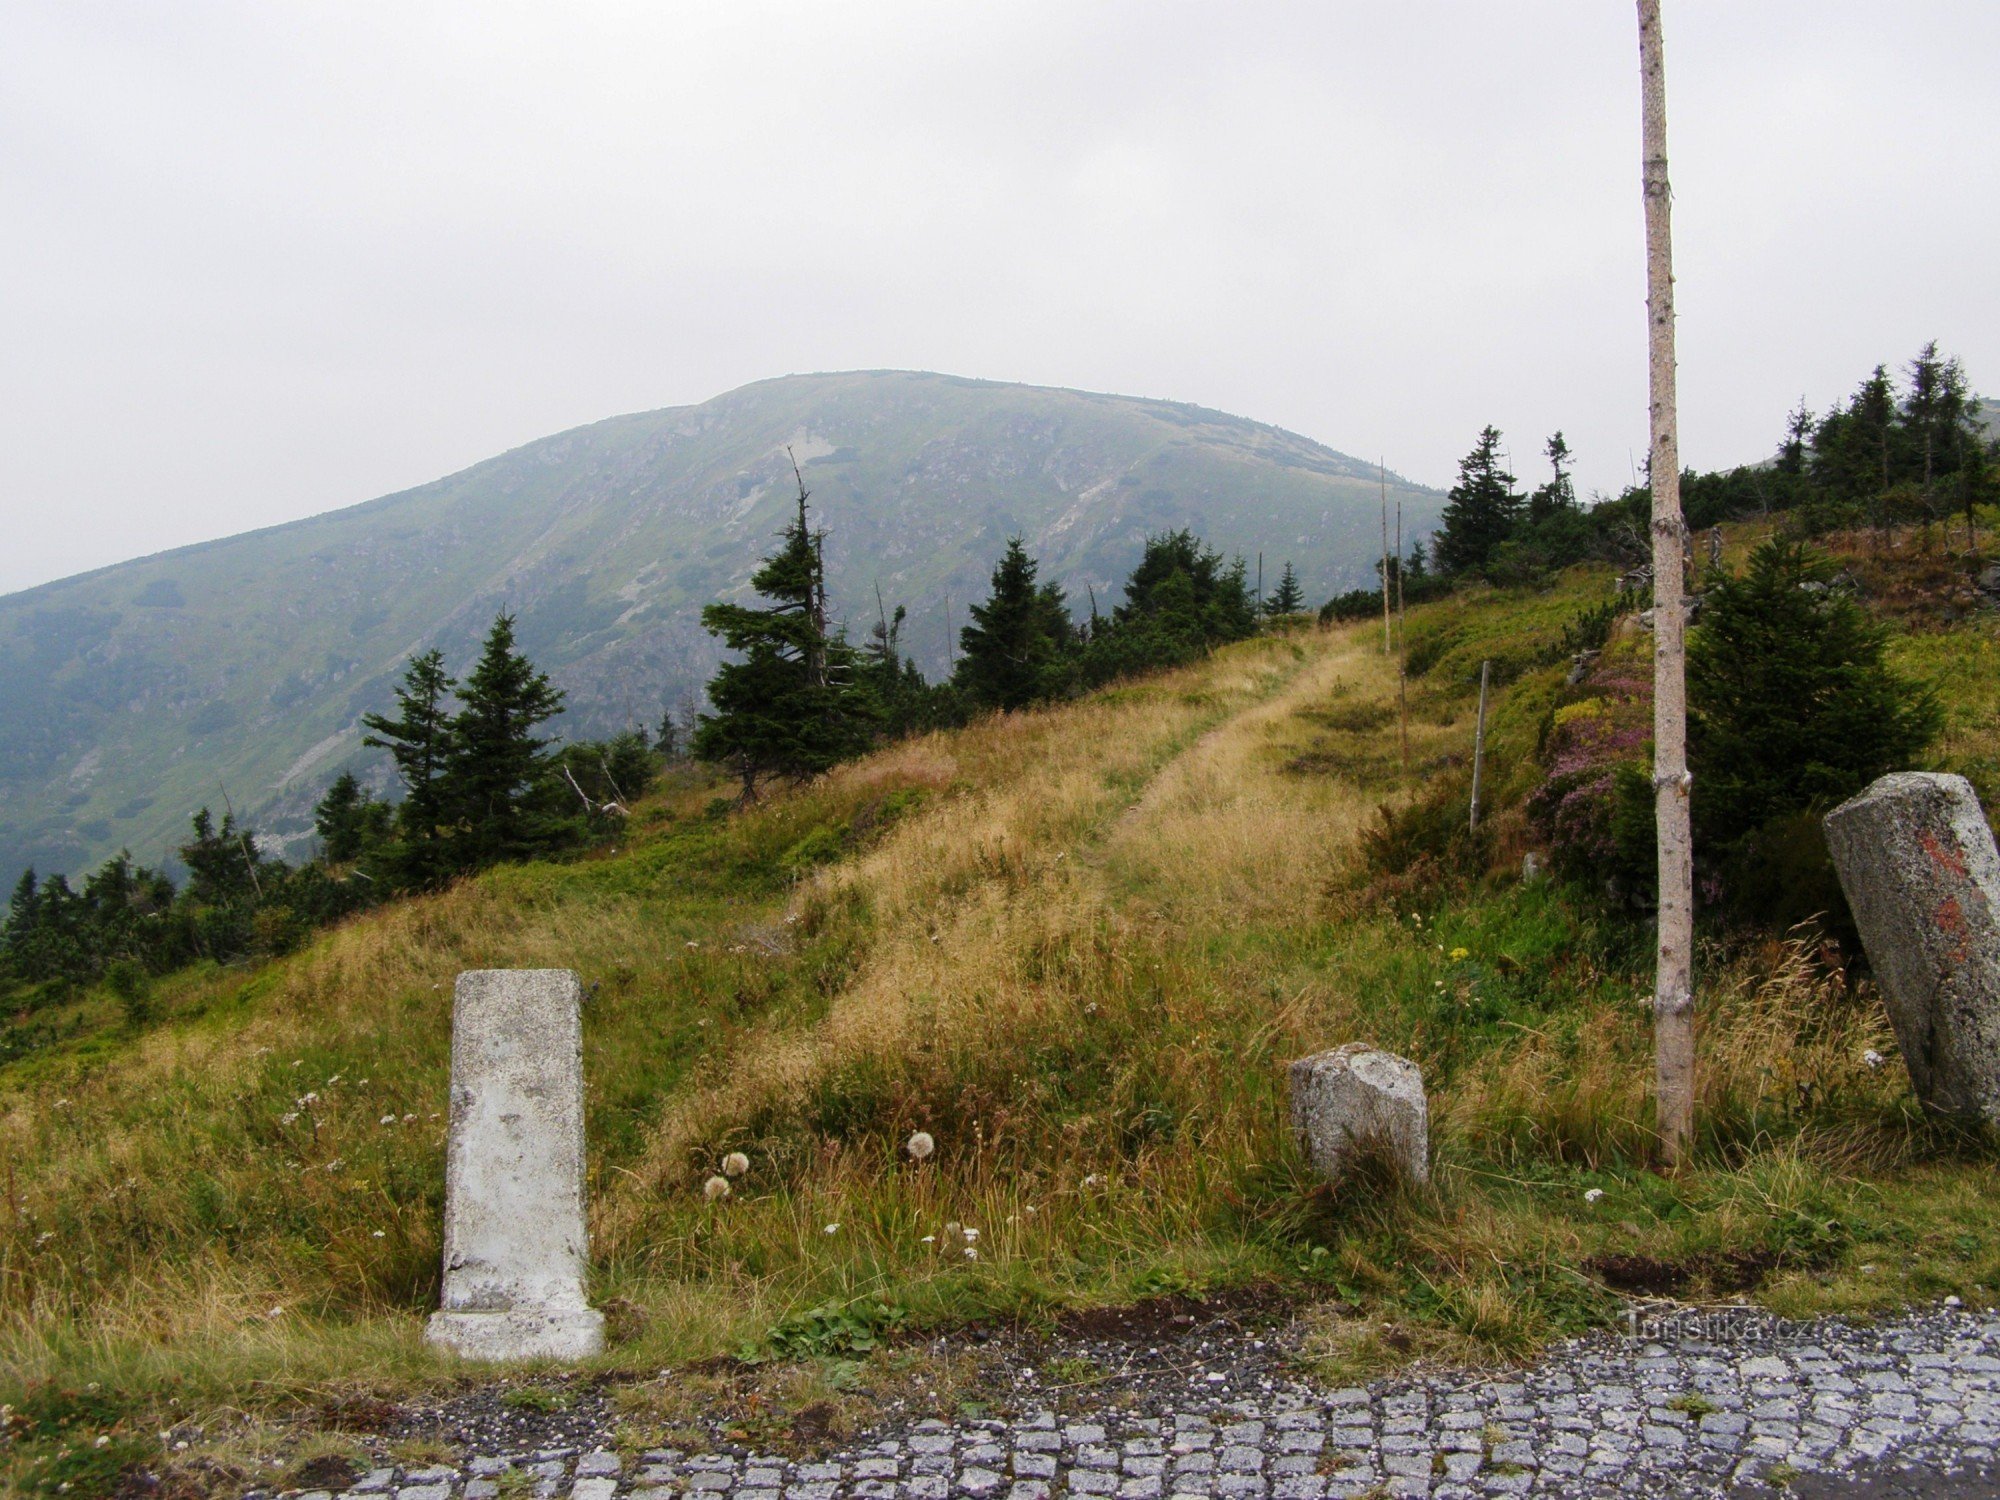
[[1599, 1417]]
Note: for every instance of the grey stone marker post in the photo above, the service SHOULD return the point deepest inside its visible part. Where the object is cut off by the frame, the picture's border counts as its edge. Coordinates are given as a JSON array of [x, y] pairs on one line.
[[1356, 1097], [515, 1251], [1919, 867]]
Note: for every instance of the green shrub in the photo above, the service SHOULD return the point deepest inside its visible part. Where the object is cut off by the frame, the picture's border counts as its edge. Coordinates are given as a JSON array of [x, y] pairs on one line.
[[1791, 705]]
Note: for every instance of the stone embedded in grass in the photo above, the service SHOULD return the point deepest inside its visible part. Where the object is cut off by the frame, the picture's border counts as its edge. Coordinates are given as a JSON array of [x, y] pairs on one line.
[[1920, 870], [1357, 1100], [515, 1252]]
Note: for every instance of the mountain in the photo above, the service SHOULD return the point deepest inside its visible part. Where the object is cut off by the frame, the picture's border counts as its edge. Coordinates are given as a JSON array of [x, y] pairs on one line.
[[240, 667]]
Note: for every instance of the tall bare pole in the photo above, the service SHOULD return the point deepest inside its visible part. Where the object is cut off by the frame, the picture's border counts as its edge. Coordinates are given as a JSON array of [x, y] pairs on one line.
[[1402, 650], [1382, 469], [1479, 745], [1673, 987]]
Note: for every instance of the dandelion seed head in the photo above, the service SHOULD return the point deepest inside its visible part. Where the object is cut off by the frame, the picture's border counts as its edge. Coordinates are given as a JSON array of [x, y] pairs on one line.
[[920, 1145], [714, 1188], [735, 1164]]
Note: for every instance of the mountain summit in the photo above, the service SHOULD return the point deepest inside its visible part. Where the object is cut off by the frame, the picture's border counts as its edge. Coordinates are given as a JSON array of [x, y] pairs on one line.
[[136, 693]]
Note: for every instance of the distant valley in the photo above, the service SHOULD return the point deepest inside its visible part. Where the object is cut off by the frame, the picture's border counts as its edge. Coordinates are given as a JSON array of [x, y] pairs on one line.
[[136, 693]]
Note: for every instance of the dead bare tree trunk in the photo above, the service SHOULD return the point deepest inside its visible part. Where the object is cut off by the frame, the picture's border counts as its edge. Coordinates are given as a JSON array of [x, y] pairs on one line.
[[1673, 987]]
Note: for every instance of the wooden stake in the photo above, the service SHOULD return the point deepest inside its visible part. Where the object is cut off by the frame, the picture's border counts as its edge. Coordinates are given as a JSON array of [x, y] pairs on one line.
[[1673, 986], [1382, 469], [1479, 743], [1402, 650]]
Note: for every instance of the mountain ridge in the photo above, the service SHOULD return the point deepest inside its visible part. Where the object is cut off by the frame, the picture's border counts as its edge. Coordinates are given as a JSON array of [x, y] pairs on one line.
[[240, 664]]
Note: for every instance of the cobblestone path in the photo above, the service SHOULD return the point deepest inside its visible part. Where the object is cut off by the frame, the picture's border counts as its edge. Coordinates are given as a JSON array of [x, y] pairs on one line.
[[1896, 1407]]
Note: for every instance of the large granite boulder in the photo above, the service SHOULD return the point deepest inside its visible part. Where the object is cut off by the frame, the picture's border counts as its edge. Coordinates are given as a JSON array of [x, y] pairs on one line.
[[1917, 861]]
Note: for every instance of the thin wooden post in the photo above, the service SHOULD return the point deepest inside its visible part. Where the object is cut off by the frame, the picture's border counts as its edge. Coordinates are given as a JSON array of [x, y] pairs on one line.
[[1402, 650], [1479, 743], [1673, 986], [1382, 468]]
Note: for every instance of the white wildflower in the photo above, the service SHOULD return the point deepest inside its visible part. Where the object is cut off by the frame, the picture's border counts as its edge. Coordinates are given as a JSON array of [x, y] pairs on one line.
[[971, 1253], [1593, 1195], [103, 1441], [735, 1164], [388, 1120], [380, 1234], [714, 1188], [971, 1235], [408, 1118], [831, 1229], [920, 1145], [288, 1119], [930, 1239], [1872, 1058], [1093, 1180]]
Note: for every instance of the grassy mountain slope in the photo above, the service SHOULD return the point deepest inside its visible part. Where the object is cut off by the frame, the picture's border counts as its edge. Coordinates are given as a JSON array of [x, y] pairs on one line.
[[138, 692], [1075, 945]]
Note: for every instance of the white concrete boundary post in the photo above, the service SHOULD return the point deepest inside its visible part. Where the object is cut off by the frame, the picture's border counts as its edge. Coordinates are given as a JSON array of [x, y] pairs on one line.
[[515, 1249]]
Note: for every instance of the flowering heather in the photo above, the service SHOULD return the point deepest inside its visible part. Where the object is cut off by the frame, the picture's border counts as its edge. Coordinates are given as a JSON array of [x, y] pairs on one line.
[[1586, 744]]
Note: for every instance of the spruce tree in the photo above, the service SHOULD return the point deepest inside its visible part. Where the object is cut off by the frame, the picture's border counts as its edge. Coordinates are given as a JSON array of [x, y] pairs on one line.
[[497, 766], [1481, 509], [1288, 598], [349, 820], [1005, 653], [1792, 705], [1559, 494], [419, 739], [793, 705]]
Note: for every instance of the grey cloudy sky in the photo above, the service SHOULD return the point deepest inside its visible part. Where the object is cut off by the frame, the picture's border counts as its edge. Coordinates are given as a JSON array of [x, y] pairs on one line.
[[262, 260]]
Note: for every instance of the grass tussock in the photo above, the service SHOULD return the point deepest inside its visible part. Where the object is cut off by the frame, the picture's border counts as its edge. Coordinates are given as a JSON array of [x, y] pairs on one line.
[[1075, 947]]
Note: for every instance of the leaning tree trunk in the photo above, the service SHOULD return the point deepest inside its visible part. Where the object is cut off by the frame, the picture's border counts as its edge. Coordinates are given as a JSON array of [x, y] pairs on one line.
[[1673, 989]]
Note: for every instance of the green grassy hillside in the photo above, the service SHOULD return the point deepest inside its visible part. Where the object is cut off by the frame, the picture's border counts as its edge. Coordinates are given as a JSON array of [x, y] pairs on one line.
[[1077, 947], [136, 693]]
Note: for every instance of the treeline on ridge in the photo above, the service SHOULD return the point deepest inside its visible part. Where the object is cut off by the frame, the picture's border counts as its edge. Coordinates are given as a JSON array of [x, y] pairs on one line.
[[480, 786], [1891, 454]]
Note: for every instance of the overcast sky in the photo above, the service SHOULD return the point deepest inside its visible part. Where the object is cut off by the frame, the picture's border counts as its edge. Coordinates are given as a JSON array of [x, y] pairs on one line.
[[261, 260]]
